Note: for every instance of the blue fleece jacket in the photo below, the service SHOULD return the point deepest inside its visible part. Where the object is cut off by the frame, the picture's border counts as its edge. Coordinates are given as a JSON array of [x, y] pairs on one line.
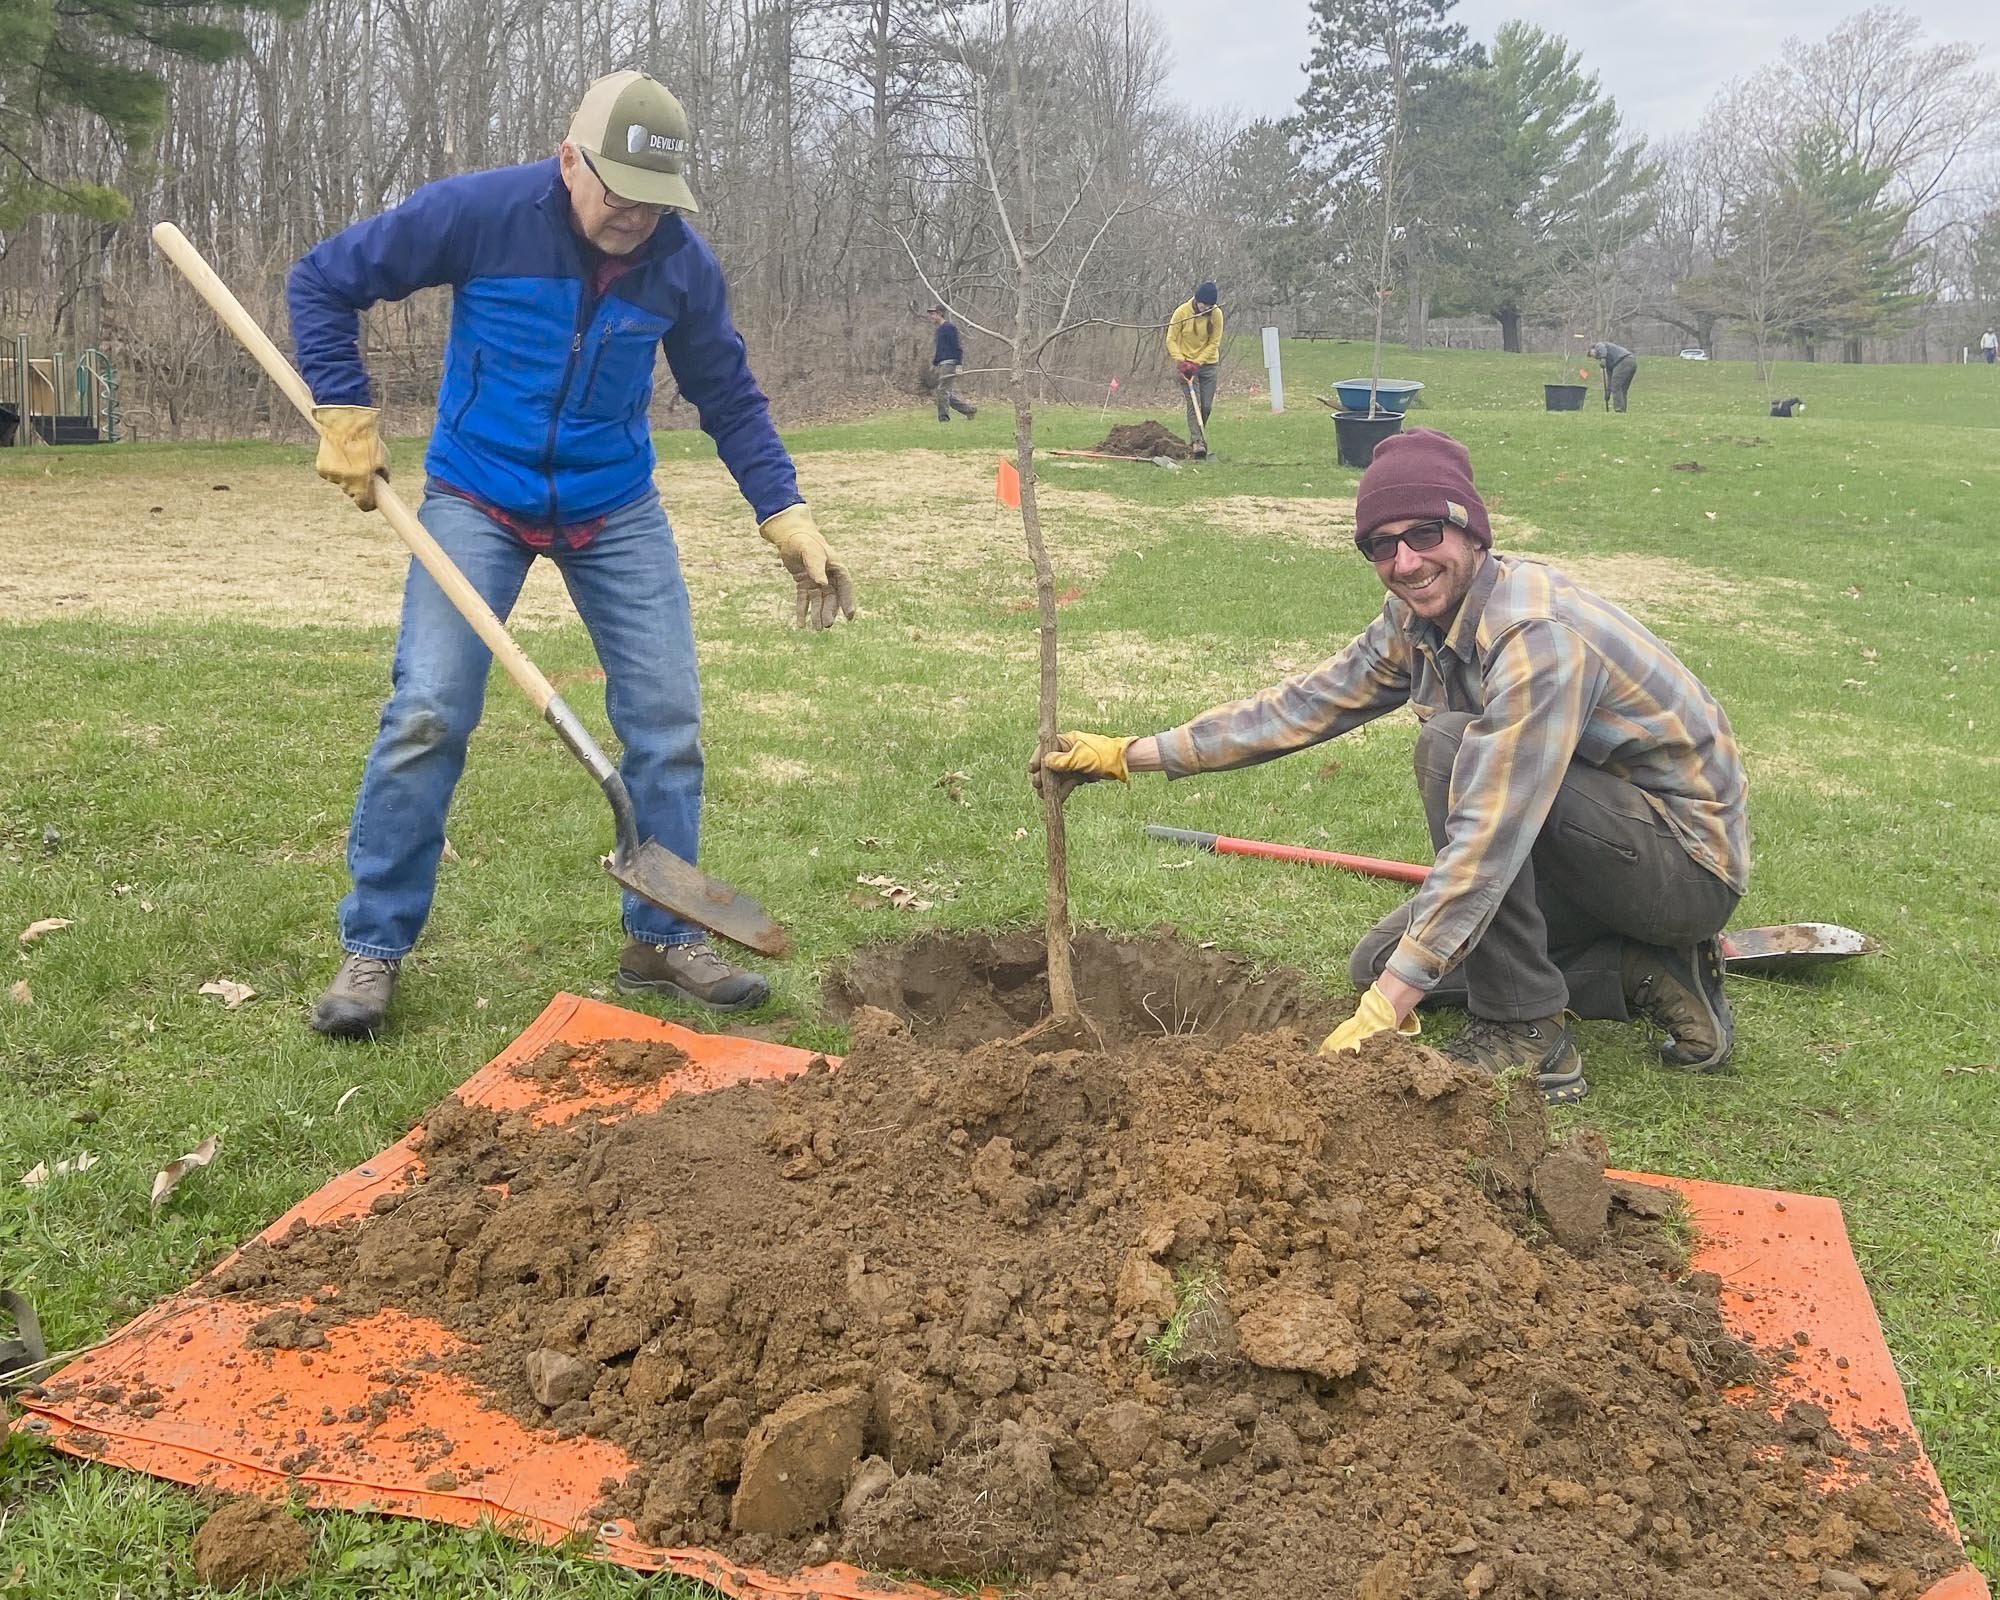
[[547, 379], [945, 347]]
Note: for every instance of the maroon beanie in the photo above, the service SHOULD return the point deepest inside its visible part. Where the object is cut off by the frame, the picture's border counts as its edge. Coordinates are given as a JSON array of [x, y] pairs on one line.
[[1422, 473]]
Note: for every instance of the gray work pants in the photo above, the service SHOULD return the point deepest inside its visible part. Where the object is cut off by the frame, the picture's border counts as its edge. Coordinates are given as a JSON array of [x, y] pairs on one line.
[[1202, 388], [945, 371], [1605, 869], [1618, 381]]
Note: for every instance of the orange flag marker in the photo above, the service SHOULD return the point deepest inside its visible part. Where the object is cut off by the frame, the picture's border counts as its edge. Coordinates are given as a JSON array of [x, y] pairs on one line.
[[1007, 485]]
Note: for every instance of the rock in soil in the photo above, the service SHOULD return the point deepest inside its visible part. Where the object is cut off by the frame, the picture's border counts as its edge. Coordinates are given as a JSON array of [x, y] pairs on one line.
[[250, 1545], [1198, 1312]]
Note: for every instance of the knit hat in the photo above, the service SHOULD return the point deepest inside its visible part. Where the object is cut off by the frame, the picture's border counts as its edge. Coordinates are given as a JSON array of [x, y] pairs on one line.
[[1421, 473], [1204, 294]]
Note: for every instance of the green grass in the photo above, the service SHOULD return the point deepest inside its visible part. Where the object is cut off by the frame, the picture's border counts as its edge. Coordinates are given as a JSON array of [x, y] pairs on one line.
[[199, 777]]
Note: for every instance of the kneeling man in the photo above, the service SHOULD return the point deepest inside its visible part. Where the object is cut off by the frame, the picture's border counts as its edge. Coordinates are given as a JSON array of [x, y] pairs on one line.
[[1583, 790]]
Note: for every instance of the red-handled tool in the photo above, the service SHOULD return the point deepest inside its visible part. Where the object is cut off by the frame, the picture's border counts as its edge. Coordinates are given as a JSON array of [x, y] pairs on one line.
[[1773, 949]]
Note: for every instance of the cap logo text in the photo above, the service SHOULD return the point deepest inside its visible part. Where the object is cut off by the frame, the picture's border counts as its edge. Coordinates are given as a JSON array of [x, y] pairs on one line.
[[641, 140]]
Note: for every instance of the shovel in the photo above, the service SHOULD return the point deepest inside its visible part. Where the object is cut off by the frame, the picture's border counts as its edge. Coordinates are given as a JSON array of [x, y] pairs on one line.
[[1787, 947], [648, 869], [1196, 428]]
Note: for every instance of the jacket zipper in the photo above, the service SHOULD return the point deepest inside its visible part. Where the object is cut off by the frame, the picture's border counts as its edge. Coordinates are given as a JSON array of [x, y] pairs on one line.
[[471, 393], [586, 308], [590, 378]]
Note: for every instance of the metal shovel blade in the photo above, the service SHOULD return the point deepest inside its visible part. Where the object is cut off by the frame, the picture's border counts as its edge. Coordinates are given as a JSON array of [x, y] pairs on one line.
[[655, 874], [1791, 946]]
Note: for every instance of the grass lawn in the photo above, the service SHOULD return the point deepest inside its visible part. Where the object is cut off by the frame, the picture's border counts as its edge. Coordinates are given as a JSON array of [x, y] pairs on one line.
[[190, 691]]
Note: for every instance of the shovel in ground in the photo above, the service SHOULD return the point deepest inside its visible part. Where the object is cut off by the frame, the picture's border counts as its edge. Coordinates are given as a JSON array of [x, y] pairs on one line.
[[647, 868], [1785, 947]]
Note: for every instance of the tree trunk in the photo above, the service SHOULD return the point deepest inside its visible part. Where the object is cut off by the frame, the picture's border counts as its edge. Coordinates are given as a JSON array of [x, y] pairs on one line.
[[1420, 311], [1510, 330]]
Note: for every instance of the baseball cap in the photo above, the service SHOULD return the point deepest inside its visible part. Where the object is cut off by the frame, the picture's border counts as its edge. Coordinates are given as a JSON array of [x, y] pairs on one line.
[[637, 137]]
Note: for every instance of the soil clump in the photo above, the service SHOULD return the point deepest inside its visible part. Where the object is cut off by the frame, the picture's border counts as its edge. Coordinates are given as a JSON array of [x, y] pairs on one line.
[[250, 1545], [1199, 1312], [1145, 440]]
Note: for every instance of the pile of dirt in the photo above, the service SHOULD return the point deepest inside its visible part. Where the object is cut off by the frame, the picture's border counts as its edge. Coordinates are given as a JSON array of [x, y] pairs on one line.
[[250, 1545], [1199, 1311], [1145, 439]]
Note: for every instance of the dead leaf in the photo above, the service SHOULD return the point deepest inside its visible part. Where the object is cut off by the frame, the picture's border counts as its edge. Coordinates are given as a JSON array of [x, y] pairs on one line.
[[42, 1172], [1968, 1072], [1852, 592], [342, 1101], [21, 994], [1176, 866], [231, 993], [953, 784], [46, 925], [1869, 655], [450, 856], [1710, 515], [168, 1178]]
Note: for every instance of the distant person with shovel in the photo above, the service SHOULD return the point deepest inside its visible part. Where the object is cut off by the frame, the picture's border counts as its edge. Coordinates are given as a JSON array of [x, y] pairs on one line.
[[1620, 365], [947, 356], [1583, 789], [1194, 342], [568, 276]]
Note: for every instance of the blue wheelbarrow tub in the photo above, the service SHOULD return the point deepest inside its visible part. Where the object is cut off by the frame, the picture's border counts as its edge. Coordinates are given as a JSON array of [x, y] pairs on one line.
[[1391, 394]]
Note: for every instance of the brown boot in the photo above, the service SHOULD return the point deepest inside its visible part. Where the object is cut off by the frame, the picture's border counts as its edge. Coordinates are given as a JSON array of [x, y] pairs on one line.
[[357, 1000], [1544, 1047], [691, 972], [1681, 992]]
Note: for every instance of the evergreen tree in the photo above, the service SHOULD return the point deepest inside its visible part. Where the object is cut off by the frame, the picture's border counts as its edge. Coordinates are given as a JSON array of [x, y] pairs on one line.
[[61, 57]]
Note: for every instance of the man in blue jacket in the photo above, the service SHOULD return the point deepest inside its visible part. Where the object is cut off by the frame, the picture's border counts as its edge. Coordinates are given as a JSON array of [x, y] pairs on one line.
[[947, 355], [567, 275]]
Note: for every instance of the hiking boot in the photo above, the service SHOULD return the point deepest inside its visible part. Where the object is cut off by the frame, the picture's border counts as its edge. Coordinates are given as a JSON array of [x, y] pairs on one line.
[[357, 1000], [1681, 991], [691, 972], [1544, 1047]]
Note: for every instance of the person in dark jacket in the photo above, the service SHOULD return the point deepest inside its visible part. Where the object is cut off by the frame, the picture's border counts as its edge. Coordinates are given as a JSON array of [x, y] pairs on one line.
[[947, 355], [568, 276], [1619, 366]]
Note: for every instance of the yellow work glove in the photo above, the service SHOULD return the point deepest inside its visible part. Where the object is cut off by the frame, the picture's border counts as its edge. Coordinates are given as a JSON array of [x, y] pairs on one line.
[[351, 450], [1086, 757], [824, 589], [1374, 1015]]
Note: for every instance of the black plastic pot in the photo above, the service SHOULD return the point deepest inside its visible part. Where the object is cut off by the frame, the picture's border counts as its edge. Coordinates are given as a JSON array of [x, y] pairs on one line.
[[1356, 434], [1564, 396]]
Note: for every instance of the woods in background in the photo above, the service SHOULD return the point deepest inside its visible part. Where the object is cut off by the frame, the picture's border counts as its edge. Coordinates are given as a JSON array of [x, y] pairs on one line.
[[1838, 201]]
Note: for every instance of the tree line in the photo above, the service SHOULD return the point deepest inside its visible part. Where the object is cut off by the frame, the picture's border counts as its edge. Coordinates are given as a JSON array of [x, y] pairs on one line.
[[1822, 205]]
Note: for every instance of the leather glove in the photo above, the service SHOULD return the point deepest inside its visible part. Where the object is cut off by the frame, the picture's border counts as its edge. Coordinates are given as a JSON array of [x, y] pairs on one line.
[[1087, 757], [825, 592], [1188, 368], [351, 450], [1374, 1015]]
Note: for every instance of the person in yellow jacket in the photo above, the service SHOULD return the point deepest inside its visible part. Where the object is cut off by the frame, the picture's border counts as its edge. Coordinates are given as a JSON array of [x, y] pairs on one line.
[[1194, 341]]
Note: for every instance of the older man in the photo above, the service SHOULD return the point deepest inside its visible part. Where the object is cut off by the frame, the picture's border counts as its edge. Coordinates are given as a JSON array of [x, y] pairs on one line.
[[568, 276], [1582, 787], [1620, 368]]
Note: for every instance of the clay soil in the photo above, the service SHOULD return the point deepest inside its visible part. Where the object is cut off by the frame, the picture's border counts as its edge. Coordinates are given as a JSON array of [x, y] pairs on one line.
[[250, 1545], [1146, 438], [1197, 1313]]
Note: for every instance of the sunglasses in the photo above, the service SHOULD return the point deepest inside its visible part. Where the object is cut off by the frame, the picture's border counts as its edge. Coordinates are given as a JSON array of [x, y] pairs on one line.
[[1421, 536]]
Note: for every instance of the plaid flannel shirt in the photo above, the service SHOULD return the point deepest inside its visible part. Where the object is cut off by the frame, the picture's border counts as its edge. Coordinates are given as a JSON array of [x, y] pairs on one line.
[[1552, 674]]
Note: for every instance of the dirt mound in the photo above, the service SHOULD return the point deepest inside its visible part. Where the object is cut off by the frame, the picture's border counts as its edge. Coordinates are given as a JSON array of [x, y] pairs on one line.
[[1189, 1314], [250, 1545], [1146, 439]]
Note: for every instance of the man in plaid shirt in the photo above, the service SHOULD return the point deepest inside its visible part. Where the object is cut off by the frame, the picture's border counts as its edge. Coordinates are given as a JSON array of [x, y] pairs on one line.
[[1584, 792]]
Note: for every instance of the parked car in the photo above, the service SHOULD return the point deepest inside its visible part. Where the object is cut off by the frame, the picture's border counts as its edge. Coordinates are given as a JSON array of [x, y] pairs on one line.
[[1694, 352]]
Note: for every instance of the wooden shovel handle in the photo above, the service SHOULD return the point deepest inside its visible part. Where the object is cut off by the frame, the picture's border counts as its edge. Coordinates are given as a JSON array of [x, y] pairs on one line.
[[492, 632]]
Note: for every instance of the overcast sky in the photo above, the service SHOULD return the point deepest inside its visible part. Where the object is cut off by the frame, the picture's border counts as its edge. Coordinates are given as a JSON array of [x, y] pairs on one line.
[[1662, 60]]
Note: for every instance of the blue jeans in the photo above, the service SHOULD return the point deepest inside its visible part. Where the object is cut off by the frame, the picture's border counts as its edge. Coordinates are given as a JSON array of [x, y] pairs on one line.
[[627, 586]]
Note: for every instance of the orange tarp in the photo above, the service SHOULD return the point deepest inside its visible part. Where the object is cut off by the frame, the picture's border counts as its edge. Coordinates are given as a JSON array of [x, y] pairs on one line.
[[249, 1421]]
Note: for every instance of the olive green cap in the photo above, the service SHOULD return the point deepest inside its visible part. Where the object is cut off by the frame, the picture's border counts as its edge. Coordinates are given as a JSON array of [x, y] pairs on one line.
[[636, 135]]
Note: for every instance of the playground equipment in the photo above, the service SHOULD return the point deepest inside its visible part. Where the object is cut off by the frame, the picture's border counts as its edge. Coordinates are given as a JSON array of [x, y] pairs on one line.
[[48, 399]]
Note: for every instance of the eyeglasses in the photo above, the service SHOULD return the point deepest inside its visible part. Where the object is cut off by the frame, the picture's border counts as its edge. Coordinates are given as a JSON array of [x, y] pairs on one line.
[[616, 202], [1419, 536]]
